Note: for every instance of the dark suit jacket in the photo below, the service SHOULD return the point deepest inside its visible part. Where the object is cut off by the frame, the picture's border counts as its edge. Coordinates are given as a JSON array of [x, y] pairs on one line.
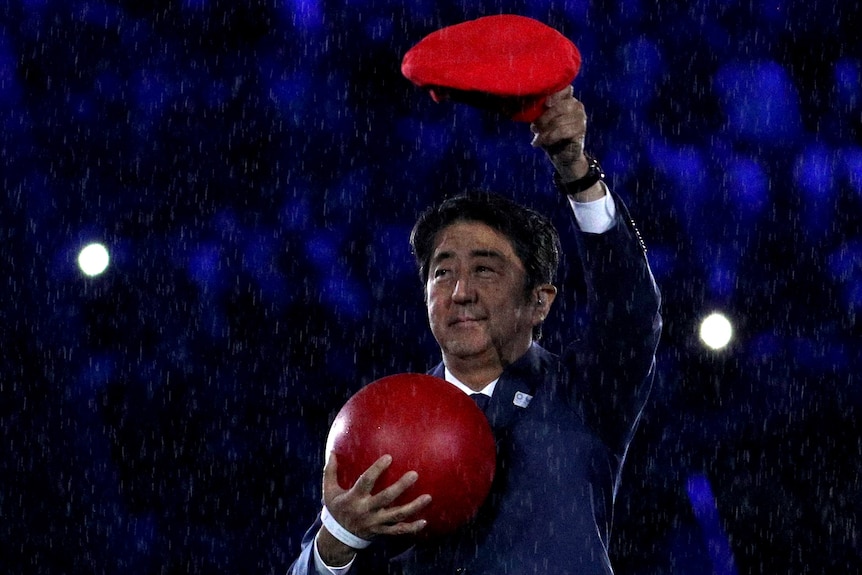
[[558, 459]]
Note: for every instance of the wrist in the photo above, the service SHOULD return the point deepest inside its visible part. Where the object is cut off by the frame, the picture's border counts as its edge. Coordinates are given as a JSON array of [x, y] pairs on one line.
[[331, 551], [337, 531], [583, 183], [573, 171]]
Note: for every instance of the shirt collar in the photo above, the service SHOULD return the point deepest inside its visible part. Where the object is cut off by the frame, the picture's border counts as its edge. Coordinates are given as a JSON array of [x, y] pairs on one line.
[[487, 390]]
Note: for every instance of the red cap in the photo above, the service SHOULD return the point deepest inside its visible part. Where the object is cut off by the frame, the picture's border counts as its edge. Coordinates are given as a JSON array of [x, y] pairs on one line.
[[507, 63]]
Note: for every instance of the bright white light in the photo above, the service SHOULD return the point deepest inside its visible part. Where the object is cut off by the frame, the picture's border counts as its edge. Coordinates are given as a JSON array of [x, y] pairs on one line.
[[716, 331], [93, 259]]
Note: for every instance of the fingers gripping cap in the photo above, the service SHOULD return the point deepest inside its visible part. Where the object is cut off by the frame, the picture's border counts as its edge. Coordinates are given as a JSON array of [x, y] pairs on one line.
[[506, 63]]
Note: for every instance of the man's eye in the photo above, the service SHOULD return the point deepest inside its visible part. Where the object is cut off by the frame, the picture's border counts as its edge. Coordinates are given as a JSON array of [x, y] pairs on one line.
[[484, 270], [440, 273]]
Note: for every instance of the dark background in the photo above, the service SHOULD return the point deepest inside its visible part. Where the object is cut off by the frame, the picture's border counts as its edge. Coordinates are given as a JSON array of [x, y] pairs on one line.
[[254, 169]]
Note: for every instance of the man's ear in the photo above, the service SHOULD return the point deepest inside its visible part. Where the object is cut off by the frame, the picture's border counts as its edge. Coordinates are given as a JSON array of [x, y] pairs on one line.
[[544, 297]]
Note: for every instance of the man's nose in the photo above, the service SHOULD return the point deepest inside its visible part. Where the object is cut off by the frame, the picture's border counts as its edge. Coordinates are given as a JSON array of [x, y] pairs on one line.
[[463, 292]]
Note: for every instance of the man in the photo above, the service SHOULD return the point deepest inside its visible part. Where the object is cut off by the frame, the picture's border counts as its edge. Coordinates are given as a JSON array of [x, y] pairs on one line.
[[562, 424]]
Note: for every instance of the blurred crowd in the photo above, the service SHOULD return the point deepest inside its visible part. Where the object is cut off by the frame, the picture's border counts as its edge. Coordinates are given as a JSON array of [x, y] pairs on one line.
[[254, 170]]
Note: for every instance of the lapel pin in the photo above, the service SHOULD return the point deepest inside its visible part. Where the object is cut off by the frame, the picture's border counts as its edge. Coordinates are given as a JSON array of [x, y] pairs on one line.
[[522, 399]]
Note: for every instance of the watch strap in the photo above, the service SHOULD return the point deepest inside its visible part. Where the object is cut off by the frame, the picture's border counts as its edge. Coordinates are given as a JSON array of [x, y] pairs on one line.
[[585, 182]]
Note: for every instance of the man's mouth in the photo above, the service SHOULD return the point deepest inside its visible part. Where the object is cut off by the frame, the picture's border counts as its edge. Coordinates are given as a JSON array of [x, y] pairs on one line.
[[465, 320]]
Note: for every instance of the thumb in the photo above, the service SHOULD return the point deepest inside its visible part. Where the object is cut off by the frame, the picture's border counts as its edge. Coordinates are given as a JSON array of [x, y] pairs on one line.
[[331, 488], [560, 96]]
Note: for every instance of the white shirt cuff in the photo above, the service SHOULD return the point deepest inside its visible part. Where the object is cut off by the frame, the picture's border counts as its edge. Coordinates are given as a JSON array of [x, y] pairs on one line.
[[595, 217], [323, 569]]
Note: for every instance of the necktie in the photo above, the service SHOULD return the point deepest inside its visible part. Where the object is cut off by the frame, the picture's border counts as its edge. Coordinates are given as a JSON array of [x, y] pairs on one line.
[[481, 400]]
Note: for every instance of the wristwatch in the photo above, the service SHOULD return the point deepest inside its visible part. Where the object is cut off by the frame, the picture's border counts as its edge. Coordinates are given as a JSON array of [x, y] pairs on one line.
[[585, 182]]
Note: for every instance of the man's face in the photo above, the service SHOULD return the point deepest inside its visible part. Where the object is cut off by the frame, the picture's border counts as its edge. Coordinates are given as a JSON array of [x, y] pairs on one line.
[[477, 305]]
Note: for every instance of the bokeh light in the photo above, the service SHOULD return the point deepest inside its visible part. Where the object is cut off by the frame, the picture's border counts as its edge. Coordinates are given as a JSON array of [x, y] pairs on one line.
[[716, 331], [93, 259]]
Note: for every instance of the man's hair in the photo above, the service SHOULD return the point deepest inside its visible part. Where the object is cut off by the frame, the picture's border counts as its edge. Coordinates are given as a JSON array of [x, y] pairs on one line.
[[533, 236]]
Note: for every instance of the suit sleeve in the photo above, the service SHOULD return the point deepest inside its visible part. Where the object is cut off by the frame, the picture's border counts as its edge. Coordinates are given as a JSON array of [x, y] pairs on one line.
[[613, 359], [304, 564], [375, 559]]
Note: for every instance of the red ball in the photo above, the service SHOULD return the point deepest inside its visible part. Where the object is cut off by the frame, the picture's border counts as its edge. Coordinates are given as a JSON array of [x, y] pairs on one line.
[[429, 426]]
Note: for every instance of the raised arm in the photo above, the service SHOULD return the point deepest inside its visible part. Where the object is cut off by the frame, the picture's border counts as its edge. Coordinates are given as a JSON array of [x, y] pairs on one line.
[[613, 357]]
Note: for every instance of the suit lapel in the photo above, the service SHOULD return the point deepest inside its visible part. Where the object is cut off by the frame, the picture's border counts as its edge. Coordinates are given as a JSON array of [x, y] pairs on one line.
[[516, 387]]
